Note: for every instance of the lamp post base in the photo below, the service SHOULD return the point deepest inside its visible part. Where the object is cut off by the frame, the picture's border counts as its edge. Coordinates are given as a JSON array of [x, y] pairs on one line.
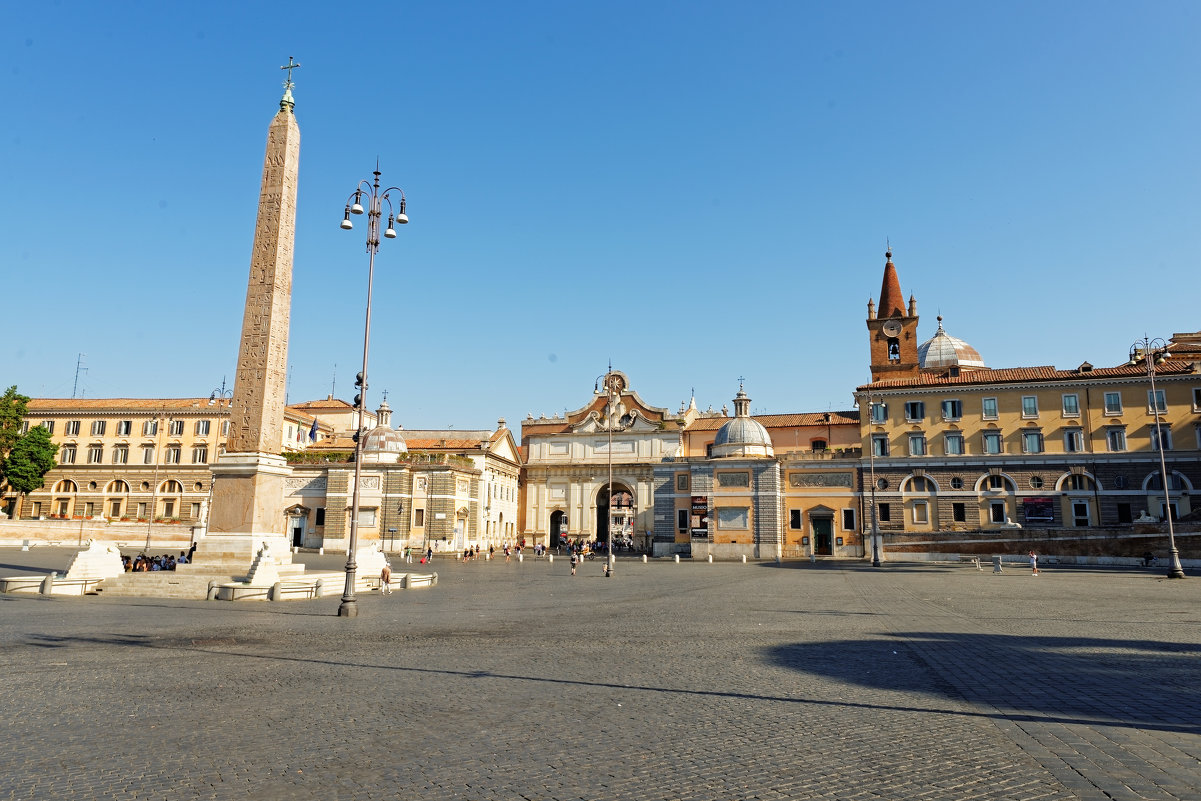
[[348, 609], [1175, 571]]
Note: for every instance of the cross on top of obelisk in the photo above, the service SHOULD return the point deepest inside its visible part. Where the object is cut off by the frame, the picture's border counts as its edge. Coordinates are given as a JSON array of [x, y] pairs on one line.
[[287, 103], [291, 65]]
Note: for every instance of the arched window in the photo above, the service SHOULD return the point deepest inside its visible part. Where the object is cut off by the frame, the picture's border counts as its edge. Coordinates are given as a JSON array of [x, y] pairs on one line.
[[171, 486], [117, 487], [919, 484], [66, 485]]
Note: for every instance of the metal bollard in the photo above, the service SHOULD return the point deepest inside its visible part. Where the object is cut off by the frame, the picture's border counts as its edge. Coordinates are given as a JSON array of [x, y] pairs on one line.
[[550, 557], [677, 559], [710, 558], [644, 559], [520, 557], [744, 559]]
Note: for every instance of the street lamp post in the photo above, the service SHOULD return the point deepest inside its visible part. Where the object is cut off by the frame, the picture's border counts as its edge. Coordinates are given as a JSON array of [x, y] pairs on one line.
[[610, 407], [871, 455], [1153, 352], [375, 200], [224, 397]]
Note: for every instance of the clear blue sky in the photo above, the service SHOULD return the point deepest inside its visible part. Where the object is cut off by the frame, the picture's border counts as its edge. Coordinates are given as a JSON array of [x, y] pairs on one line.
[[698, 191]]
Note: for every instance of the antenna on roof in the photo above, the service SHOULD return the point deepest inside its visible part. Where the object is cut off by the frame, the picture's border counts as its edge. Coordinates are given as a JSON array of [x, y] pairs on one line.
[[79, 368], [334, 381]]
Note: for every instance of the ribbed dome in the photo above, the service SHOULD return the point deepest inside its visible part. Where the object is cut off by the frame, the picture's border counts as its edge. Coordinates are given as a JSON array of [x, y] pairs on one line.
[[743, 436], [944, 350], [383, 444]]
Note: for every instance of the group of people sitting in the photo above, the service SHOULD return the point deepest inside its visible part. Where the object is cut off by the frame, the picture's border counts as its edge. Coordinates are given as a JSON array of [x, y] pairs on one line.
[[147, 564]]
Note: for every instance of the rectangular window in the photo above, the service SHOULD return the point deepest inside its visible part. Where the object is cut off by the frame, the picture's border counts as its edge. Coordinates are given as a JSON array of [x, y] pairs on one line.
[[682, 519], [733, 517], [149, 428], [1156, 400], [959, 512], [72, 428], [1073, 440], [1161, 438], [1071, 406], [988, 408], [1197, 399], [37, 509], [367, 517], [1029, 406], [883, 512], [225, 428], [168, 508], [879, 413], [142, 507], [952, 410], [848, 520], [1116, 438], [319, 516], [24, 427], [98, 428], [89, 509], [996, 511], [195, 511], [124, 428], [1113, 402], [62, 508], [921, 512], [992, 442], [200, 454], [96, 454], [915, 411], [66, 455], [48, 425], [880, 444], [121, 454], [418, 518], [175, 428], [147, 455], [173, 455], [794, 519], [1124, 515], [996, 483], [953, 444], [917, 444], [202, 428], [115, 509]]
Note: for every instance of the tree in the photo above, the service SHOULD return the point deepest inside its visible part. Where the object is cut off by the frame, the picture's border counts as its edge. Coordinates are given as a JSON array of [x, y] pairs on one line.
[[13, 407], [25, 459], [30, 459]]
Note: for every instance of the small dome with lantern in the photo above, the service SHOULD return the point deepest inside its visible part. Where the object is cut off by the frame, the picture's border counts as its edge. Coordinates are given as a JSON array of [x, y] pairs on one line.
[[943, 350], [383, 444], [743, 436]]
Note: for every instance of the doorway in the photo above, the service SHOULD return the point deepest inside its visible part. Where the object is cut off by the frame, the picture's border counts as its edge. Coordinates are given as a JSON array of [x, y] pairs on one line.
[[558, 528], [823, 536], [1080, 515]]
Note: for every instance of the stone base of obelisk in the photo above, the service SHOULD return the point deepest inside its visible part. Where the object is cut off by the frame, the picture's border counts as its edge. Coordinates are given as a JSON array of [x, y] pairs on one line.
[[247, 516]]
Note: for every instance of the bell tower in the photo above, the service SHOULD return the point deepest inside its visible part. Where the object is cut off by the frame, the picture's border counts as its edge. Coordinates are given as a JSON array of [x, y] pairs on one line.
[[892, 330]]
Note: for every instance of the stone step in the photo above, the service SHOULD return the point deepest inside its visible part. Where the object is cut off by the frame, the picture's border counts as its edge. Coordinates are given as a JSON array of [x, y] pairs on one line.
[[163, 584]]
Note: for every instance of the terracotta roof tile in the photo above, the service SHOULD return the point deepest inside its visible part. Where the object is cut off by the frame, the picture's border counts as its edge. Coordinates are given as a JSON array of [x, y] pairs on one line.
[[1017, 375], [117, 404], [781, 420]]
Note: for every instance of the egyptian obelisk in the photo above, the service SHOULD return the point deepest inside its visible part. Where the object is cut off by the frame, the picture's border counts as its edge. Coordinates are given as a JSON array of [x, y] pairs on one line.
[[248, 478]]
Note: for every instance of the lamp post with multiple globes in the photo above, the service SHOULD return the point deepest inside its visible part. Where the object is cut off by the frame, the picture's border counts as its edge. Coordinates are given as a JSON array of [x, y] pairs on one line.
[[376, 199]]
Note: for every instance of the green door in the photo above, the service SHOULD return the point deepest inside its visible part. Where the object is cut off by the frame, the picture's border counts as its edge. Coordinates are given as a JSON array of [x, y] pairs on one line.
[[823, 536]]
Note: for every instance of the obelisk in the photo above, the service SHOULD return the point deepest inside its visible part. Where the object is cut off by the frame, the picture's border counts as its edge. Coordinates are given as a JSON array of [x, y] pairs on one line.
[[248, 478]]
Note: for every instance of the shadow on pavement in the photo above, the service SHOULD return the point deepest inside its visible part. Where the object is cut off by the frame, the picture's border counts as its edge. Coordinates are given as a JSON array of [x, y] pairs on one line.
[[1144, 684]]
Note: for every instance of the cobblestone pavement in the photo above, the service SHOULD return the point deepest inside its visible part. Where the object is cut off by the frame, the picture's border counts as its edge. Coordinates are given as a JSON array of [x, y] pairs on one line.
[[689, 681]]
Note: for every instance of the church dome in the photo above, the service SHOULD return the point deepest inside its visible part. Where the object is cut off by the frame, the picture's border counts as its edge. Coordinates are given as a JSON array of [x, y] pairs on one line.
[[743, 436], [383, 444], [944, 350]]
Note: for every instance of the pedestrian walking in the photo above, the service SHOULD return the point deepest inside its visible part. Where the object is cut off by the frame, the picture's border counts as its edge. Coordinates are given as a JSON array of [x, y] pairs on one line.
[[385, 580], [1033, 563], [408, 556], [574, 560]]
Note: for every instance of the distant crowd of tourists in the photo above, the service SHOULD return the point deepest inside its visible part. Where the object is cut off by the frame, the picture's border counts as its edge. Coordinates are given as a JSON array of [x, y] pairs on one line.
[[143, 563]]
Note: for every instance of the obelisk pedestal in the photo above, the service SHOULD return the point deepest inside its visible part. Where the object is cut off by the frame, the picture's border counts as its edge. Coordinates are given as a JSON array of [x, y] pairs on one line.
[[248, 478]]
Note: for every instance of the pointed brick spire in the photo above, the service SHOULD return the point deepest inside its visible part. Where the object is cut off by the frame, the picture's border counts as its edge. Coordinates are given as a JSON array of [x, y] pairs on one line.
[[892, 302]]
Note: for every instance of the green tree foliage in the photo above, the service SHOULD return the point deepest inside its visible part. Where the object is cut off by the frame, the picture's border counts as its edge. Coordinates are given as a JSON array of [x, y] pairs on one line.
[[30, 459], [25, 459], [13, 407]]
